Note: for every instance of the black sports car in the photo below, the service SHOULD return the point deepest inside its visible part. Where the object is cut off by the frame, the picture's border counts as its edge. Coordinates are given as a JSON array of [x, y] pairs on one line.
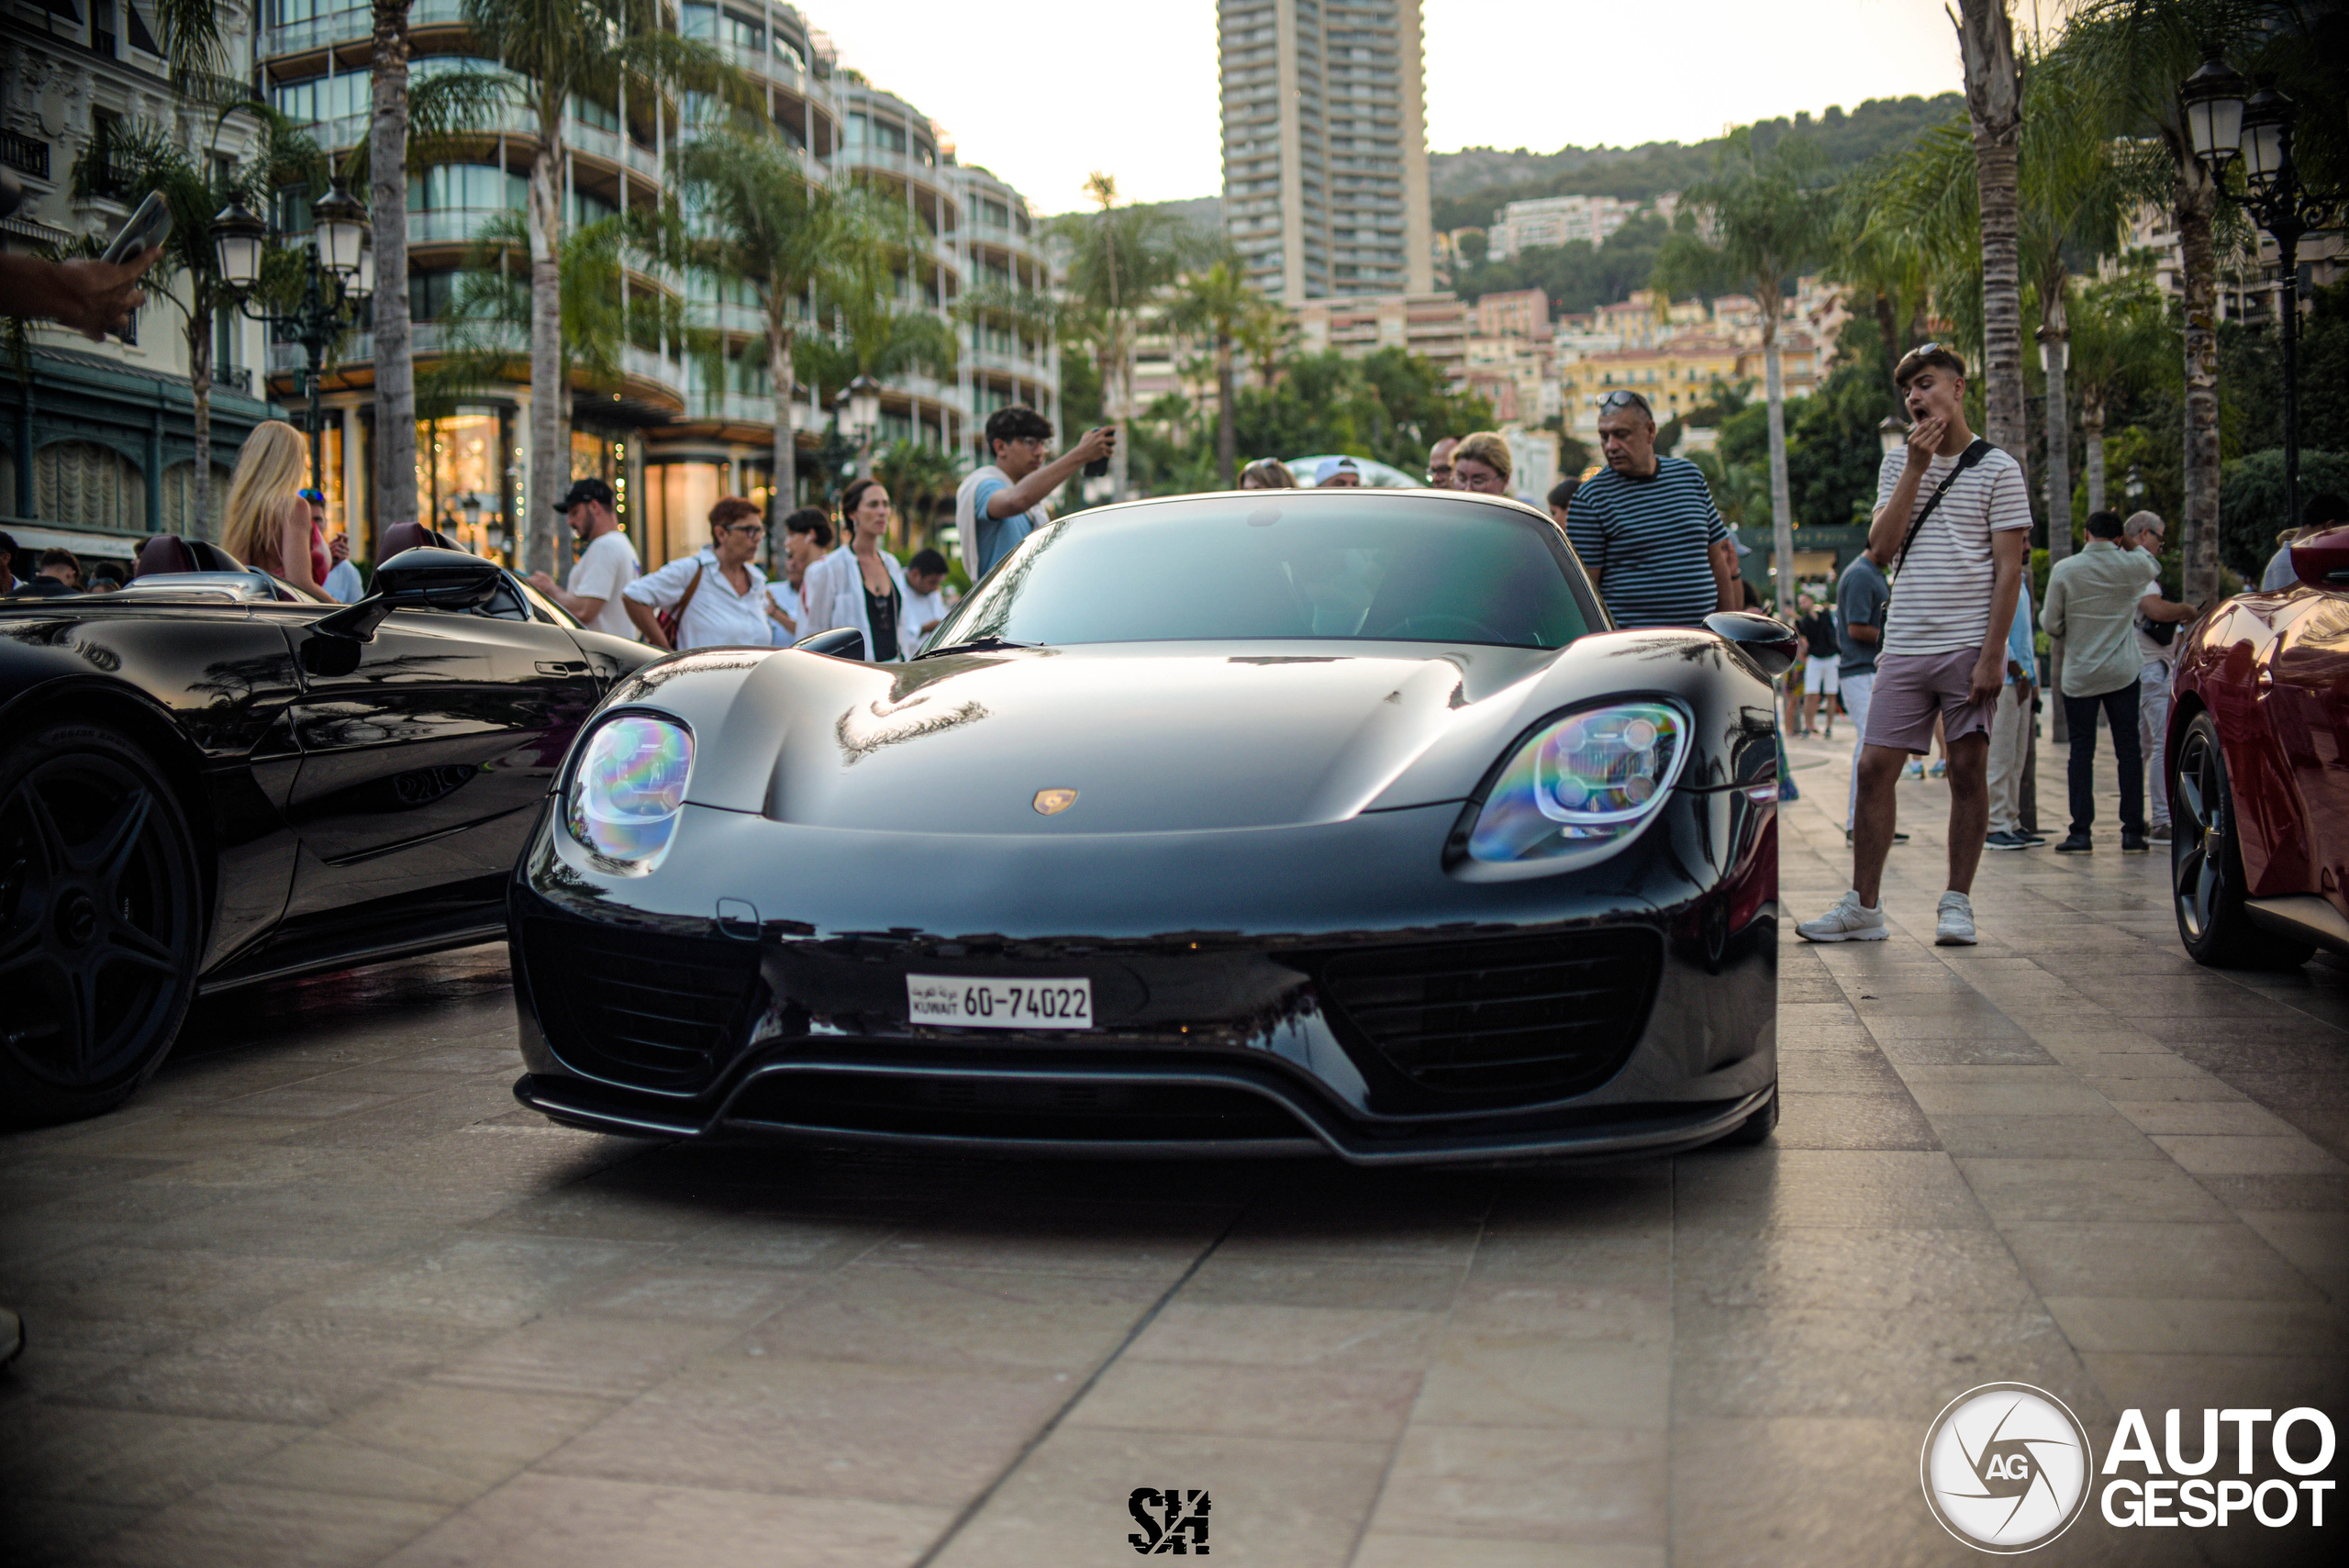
[[1248, 822], [203, 786]]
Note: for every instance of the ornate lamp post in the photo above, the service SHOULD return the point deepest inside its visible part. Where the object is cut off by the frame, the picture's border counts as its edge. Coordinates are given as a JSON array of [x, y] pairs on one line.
[[336, 283], [1892, 434], [860, 406], [2227, 121]]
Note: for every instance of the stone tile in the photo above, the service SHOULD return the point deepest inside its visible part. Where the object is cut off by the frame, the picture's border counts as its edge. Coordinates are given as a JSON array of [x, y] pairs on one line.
[[259, 1527], [1527, 1380], [2218, 1262], [1160, 1249], [487, 1281], [1868, 1188], [2313, 1195], [2206, 1381], [1865, 1070], [698, 1294], [1852, 1269], [1603, 1487], [2223, 1155], [1347, 1405], [584, 1355], [972, 1318], [1744, 1364], [2105, 1135], [2316, 1245], [925, 1435], [2004, 1051], [2235, 1118], [2061, 1096], [1278, 1502], [1851, 1121], [2157, 1326], [2100, 1189], [162, 1286], [1396, 1287], [475, 1437], [1381, 1549], [124, 1458], [556, 1521], [1346, 1338]]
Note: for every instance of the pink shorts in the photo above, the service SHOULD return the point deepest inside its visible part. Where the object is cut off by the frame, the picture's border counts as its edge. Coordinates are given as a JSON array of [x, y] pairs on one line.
[[1911, 687]]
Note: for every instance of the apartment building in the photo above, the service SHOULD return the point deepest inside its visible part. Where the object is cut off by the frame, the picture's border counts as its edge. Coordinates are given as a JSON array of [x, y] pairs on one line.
[[1434, 326], [1518, 313], [675, 433], [99, 446], [1325, 172], [1556, 220]]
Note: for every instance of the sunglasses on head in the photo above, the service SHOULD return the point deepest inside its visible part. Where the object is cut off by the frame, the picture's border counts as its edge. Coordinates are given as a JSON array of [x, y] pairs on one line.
[[1620, 398]]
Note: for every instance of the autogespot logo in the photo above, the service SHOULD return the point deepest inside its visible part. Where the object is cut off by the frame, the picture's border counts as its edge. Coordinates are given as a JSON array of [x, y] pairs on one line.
[[2006, 1467]]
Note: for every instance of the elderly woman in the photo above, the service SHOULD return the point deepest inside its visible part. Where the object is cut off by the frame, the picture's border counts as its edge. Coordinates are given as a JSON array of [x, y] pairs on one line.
[[1267, 474], [1481, 463]]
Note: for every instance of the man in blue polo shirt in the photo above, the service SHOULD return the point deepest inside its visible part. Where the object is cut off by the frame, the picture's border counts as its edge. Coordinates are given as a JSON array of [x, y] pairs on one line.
[[1001, 503]]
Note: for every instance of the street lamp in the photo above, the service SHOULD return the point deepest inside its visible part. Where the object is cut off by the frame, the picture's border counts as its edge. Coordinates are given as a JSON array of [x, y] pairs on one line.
[[336, 286], [860, 402], [1892, 434], [471, 506], [2225, 124]]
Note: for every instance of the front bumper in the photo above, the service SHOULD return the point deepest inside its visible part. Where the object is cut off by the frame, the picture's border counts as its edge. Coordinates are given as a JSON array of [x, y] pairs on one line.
[[1330, 989]]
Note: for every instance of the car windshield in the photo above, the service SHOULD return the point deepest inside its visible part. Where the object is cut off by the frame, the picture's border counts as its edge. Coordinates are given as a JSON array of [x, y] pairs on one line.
[[1249, 566]]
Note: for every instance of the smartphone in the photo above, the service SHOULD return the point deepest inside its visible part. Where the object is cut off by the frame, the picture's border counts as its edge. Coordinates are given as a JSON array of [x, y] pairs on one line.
[[1096, 468], [147, 228]]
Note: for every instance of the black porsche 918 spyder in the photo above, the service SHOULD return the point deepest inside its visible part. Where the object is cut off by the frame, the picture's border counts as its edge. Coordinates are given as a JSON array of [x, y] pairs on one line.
[[206, 783], [1245, 823]]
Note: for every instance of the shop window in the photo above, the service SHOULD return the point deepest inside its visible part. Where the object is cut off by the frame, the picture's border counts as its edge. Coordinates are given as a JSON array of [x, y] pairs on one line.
[[85, 484], [179, 501]]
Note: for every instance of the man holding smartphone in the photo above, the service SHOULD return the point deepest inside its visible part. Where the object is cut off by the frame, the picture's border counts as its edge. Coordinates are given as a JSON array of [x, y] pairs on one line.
[[1001, 504]]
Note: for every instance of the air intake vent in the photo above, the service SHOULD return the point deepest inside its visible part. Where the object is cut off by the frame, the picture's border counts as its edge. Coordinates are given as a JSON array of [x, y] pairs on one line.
[[1523, 1017], [660, 1012]]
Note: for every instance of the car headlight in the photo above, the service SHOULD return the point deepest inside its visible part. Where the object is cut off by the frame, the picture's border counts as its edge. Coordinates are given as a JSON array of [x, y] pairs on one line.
[[1585, 779], [628, 787]]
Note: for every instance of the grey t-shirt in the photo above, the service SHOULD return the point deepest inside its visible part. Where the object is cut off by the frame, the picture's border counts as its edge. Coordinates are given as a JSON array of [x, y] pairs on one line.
[[1861, 597]]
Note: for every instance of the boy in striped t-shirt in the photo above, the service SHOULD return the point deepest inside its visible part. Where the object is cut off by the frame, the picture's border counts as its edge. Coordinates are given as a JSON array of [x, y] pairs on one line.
[[1954, 516]]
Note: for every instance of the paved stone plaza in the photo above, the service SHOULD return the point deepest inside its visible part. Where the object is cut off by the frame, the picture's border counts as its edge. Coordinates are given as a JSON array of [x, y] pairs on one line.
[[324, 1295]]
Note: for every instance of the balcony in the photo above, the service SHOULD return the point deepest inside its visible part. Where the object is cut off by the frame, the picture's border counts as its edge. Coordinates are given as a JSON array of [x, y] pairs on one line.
[[352, 23], [24, 154]]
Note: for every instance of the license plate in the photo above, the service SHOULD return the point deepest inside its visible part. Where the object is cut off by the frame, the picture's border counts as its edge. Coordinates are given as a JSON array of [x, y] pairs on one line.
[[967, 1002]]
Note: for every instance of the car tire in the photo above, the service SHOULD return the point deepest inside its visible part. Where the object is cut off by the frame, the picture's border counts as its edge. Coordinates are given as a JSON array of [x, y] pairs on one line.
[[1756, 1129], [101, 922], [2207, 878]]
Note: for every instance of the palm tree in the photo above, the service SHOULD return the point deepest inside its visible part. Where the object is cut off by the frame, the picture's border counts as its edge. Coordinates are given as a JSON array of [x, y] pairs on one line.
[[919, 475], [1267, 337], [2121, 337], [2142, 50], [877, 332], [387, 150], [757, 217], [554, 51], [141, 157], [1994, 105], [1118, 258], [1217, 303], [1883, 266], [1755, 226]]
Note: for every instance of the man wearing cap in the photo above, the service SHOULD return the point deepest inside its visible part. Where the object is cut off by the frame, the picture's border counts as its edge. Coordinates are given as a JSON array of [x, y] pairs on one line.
[[1339, 474], [607, 564]]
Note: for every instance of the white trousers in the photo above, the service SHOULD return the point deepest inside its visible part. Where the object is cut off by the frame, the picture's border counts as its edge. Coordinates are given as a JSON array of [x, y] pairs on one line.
[[2153, 737], [2010, 739], [1855, 690]]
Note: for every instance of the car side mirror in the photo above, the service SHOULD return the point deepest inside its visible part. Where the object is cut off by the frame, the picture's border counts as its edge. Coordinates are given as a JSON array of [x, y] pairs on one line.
[[1768, 644], [423, 579], [2322, 561], [840, 642]]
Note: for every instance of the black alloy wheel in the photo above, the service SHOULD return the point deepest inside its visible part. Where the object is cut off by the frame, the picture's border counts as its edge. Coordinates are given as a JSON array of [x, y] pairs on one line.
[[101, 922], [1756, 1129], [2206, 863]]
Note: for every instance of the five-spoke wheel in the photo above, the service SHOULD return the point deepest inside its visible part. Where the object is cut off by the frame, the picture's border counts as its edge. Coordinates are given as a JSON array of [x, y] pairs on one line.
[[2205, 862], [101, 922]]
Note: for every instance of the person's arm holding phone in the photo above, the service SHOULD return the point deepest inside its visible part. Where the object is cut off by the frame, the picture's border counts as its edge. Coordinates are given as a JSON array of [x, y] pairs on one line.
[[1095, 447], [94, 297]]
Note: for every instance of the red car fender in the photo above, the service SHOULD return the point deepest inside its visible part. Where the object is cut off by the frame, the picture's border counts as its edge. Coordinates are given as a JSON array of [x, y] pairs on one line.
[[2218, 671]]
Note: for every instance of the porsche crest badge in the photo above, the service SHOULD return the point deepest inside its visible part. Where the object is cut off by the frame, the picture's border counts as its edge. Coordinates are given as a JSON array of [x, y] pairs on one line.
[[1053, 802]]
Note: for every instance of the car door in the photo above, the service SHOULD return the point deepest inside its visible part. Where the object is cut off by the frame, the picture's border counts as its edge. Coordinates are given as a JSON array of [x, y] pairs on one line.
[[424, 767], [2308, 701]]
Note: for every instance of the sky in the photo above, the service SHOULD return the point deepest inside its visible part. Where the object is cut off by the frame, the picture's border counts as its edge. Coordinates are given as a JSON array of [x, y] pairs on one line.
[[1052, 89]]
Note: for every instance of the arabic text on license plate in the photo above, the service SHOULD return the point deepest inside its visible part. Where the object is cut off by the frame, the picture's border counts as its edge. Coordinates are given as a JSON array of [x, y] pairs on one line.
[[967, 1002]]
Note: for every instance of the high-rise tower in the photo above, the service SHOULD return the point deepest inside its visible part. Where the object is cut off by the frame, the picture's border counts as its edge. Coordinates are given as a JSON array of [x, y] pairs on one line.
[[1325, 157]]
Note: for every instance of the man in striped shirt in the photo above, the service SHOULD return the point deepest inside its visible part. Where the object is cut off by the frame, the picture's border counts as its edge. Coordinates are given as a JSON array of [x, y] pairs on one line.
[[1954, 517], [1646, 529]]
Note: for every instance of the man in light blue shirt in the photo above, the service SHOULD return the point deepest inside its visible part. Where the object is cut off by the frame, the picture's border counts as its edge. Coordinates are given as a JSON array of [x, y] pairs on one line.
[[1002, 503], [2011, 723]]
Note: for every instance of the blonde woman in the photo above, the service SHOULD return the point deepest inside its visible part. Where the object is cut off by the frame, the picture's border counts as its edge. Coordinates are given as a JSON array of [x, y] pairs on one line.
[[1481, 462], [268, 523], [1267, 474]]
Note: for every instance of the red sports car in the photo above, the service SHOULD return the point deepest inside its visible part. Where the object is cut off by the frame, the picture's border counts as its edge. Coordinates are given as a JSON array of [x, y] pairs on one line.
[[2258, 761]]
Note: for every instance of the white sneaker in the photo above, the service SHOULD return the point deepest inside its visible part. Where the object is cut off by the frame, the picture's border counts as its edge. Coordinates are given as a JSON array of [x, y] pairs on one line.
[[1955, 928], [1849, 921]]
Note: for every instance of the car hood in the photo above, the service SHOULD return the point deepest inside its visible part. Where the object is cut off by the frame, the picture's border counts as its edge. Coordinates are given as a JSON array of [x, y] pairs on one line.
[[1151, 738]]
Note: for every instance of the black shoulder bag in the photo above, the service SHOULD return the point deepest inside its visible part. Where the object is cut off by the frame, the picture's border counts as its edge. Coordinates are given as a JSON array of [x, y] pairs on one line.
[[1966, 460]]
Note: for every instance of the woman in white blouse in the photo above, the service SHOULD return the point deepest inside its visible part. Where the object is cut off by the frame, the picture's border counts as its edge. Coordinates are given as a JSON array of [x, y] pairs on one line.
[[861, 585]]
